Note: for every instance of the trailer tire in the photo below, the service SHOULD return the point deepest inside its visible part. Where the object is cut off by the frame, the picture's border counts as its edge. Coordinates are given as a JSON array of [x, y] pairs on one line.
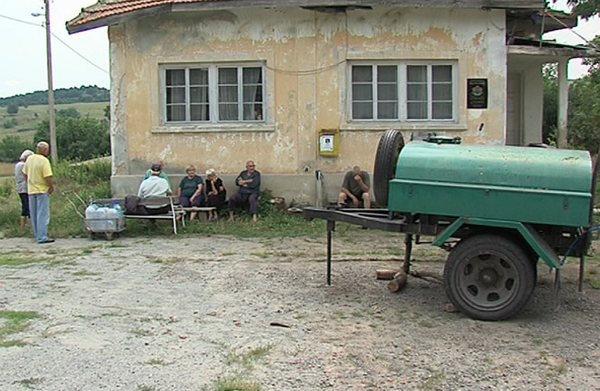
[[386, 158], [489, 277]]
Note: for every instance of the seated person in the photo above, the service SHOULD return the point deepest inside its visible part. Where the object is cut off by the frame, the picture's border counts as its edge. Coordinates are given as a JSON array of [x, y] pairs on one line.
[[356, 187], [215, 194], [155, 186], [249, 189], [191, 190], [162, 173]]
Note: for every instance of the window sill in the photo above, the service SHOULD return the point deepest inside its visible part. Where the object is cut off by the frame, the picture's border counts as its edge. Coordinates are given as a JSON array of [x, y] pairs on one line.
[[214, 128], [414, 126]]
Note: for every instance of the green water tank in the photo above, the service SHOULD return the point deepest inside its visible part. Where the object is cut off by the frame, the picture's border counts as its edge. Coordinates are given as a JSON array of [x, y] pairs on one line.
[[525, 184]]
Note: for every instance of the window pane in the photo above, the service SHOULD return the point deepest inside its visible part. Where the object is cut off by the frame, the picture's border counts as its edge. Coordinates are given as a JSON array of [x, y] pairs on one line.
[[417, 110], [199, 113], [416, 73], [176, 113], [387, 110], [228, 94], [199, 77], [175, 95], [228, 76], [387, 74], [362, 110], [387, 92], [252, 93], [362, 74], [228, 112], [253, 112], [199, 95], [252, 76], [175, 77], [442, 110], [442, 92], [362, 93], [441, 73], [416, 92]]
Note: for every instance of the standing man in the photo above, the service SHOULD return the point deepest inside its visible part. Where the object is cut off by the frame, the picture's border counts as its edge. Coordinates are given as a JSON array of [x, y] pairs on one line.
[[355, 187], [249, 183], [38, 171]]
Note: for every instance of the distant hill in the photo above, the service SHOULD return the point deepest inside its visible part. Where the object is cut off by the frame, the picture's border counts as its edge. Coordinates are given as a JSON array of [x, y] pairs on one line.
[[61, 96]]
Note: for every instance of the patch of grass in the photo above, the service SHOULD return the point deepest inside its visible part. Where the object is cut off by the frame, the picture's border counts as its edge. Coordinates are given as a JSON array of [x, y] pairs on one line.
[[247, 359], [14, 322], [143, 387], [592, 280], [30, 383], [140, 332], [12, 260], [236, 383], [434, 381], [165, 260], [155, 361]]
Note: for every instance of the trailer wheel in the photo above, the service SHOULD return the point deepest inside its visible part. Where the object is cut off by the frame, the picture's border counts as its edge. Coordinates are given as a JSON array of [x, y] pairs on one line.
[[386, 158], [489, 277]]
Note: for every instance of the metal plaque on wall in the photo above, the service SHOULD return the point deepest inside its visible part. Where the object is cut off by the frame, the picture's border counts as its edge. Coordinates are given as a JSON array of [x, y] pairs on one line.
[[477, 93]]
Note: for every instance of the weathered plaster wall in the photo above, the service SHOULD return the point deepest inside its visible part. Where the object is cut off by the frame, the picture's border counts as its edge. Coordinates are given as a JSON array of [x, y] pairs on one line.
[[305, 54]]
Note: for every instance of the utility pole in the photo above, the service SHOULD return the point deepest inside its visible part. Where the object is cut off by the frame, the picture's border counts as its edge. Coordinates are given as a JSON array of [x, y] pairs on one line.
[[53, 151]]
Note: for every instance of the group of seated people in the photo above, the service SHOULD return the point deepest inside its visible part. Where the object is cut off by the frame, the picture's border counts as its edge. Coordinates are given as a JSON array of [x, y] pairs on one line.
[[194, 191]]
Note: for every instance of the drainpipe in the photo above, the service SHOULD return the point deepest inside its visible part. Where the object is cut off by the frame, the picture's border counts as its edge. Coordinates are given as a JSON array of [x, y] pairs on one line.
[[563, 102], [319, 198]]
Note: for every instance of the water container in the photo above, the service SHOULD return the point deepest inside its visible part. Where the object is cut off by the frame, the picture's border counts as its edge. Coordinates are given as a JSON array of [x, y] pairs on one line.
[[90, 211], [117, 207]]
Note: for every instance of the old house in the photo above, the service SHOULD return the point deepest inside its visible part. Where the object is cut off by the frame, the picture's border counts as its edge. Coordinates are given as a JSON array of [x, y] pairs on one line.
[[306, 86]]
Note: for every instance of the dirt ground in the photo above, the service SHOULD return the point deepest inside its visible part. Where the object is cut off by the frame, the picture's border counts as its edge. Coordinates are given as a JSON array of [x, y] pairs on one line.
[[219, 313]]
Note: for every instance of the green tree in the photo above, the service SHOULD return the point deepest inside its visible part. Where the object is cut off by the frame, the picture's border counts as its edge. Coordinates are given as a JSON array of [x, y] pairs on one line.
[[12, 109], [585, 8], [550, 119], [11, 147], [77, 138]]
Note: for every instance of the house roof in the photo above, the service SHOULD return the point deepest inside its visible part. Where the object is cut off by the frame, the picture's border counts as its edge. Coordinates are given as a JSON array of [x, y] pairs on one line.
[[110, 12]]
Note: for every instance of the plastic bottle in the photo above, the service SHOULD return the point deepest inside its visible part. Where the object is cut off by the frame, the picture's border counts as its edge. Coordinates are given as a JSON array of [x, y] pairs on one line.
[[116, 206], [90, 211]]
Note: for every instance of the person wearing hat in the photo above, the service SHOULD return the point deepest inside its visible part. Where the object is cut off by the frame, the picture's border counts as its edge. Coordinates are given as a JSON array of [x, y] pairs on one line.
[[21, 181], [155, 186], [162, 173]]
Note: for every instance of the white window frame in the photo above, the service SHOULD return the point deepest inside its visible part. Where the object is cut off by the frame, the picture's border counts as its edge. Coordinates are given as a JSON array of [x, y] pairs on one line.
[[213, 93], [402, 79]]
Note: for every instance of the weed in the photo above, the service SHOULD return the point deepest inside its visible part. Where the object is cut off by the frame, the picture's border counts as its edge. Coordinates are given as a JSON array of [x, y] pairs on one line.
[[433, 381], [85, 273], [30, 383], [246, 359], [143, 387], [10, 260], [235, 383], [14, 322], [140, 332]]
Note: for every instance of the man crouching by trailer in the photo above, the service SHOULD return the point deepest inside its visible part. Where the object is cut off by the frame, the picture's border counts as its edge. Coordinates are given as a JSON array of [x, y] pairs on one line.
[[356, 187]]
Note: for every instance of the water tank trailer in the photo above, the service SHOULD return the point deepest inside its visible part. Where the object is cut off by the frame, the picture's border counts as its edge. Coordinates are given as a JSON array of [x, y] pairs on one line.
[[496, 209]]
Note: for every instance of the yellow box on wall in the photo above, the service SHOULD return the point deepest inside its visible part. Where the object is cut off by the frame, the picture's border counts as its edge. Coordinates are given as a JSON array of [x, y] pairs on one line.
[[329, 141]]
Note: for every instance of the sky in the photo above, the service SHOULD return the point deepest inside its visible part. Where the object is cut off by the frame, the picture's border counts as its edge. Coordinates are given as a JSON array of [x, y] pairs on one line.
[[82, 58]]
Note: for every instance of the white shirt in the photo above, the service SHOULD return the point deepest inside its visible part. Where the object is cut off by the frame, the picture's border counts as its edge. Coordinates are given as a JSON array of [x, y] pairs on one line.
[[154, 187]]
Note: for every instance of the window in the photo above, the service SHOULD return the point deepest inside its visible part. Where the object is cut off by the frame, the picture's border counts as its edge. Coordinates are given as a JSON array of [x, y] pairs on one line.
[[402, 91], [213, 94]]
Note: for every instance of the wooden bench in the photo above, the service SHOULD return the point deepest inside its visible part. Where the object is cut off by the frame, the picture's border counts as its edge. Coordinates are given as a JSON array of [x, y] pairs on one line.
[[202, 211], [175, 213]]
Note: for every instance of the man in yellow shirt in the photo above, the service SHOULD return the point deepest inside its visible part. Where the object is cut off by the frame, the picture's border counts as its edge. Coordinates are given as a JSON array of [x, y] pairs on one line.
[[38, 171]]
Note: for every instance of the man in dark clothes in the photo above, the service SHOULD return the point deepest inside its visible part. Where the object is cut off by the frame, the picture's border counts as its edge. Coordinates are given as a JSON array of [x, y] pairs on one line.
[[249, 189], [355, 187]]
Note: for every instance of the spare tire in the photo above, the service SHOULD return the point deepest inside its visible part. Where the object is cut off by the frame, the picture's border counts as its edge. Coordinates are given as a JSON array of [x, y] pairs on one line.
[[390, 145]]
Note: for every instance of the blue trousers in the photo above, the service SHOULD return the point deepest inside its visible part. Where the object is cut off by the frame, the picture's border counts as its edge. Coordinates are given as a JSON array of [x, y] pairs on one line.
[[39, 210]]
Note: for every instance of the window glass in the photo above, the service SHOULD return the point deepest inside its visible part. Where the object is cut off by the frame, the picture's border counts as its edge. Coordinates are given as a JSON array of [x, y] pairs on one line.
[[233, 93]]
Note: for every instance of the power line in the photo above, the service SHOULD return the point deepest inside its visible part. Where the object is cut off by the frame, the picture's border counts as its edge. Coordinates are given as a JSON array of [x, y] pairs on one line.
[[59, 40]]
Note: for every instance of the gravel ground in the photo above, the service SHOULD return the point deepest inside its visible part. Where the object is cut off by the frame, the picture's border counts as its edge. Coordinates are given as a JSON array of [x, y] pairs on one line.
[[189, 313]]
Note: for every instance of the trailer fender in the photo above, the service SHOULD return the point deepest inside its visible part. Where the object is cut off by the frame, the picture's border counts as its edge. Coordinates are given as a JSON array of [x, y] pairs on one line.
[[538, 245]]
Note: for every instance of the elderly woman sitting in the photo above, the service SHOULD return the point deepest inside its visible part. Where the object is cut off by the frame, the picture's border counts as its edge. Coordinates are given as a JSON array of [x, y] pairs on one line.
[[215, 194], [191, 190]]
